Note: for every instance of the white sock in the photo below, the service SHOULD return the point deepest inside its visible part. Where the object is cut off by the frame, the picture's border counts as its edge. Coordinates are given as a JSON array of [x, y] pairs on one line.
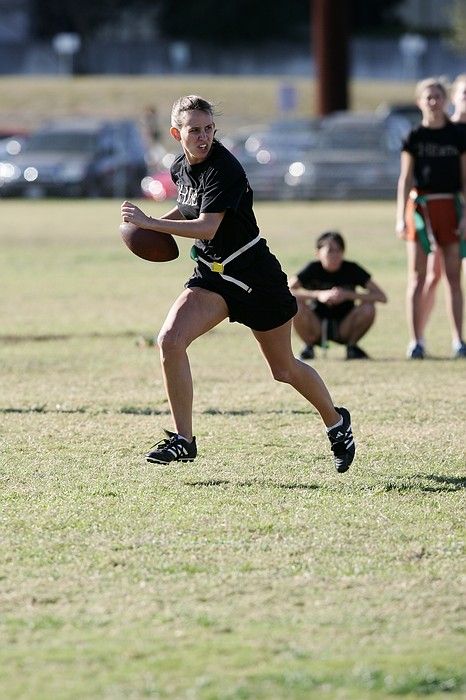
[[340, 422], [456, 344], [413, 343]]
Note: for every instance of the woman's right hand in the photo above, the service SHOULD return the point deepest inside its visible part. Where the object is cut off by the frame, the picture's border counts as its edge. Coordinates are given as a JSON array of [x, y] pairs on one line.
[[130, 213]]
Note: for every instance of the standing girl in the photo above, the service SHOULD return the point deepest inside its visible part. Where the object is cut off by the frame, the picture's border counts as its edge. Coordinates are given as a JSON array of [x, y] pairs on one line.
[[429, 217], [236, 277]]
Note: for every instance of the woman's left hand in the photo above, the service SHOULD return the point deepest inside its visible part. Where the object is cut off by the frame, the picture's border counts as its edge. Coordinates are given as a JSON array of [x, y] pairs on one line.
[[130, 213]]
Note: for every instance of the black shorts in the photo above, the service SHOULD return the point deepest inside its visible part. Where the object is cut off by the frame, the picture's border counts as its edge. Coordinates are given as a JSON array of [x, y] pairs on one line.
[[332, 331], [268, 305]]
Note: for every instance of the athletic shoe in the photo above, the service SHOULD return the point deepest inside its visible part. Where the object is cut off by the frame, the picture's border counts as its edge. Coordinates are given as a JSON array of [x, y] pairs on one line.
[[416, 352], [342, 441], [354, 352], [460, 351], [307, 353], [172, 449]]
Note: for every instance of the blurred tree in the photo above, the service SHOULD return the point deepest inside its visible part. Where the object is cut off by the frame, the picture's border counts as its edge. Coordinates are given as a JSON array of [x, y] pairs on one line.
[[234, 21], [374, 17], [80, 16], [240, 21]]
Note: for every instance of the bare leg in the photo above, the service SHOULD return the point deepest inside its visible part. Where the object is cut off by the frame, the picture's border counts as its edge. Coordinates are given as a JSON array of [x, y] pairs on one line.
[[276, 348], [194, 313], [417, 263], [307, 324], [357, 323], [433, 276], [452, 268]]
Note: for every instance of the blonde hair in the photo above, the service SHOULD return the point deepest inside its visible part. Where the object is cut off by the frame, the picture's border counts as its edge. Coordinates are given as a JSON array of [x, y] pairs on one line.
[[435, 81], [461, 78]]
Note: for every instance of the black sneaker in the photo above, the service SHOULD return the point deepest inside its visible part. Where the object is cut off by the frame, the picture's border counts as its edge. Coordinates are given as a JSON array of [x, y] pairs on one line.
[[461, 351], [307, 353], [354, 352], [416, 353], [342, 442], [172, 449]]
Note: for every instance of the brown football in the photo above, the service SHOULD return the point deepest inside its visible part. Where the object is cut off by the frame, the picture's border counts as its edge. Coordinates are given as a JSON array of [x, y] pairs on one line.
[[149, 245]]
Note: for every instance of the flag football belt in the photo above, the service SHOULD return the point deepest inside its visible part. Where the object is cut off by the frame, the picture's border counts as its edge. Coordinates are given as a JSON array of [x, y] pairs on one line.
[[219, 267], [422, 220]]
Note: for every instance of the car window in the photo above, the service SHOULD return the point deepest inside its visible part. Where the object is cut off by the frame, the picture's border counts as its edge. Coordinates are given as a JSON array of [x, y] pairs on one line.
[[67, 141], [134, 139], [362, 137]]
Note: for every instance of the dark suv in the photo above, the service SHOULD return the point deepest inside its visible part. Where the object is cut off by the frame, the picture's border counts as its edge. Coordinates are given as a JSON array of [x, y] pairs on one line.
[[78, 158]]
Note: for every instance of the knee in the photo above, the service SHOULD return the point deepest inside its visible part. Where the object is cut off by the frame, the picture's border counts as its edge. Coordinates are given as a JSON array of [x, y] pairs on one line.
[[454, 279], [170, 342], [281, 373], [367, 311], [433, 278], [416, 282]]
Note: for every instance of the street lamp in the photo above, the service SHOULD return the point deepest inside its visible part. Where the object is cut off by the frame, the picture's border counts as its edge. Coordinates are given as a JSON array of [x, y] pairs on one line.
[[65, 46]]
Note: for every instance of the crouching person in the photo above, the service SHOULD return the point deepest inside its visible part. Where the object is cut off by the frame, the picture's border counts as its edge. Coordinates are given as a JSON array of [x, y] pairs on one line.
[[336, 299]]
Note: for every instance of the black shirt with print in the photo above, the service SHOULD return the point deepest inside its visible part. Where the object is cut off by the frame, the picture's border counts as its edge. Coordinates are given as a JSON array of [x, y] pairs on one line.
[[436, 153], [348, 276], [217, 184]]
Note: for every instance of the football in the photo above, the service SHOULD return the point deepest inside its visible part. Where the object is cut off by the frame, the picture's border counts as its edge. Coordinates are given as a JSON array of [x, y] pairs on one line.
[[149, 245]]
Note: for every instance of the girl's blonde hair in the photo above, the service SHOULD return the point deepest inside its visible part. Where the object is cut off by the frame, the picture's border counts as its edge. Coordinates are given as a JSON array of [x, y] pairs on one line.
[[461, 78], [435, 81]]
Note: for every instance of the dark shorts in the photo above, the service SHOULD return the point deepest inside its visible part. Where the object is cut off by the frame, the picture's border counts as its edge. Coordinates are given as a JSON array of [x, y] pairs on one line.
[[331, 328], [268, 305]]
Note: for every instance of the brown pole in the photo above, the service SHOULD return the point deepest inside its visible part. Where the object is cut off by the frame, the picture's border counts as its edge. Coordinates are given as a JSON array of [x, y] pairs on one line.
[[330, 35]]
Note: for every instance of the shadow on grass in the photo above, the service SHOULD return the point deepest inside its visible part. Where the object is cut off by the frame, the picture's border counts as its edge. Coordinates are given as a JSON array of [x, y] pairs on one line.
[[453, 483], [250, 483], [41, 338], [442, 483], [41, 409], [147, 411]]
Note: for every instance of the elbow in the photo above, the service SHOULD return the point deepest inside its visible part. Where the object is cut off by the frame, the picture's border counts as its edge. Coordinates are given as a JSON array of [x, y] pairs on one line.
[[206, 232], [207, 235]]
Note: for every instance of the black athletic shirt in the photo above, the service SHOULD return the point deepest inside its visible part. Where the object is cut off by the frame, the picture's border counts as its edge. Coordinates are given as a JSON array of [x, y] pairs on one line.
[[436, 153], [218, 184], [349, 276]]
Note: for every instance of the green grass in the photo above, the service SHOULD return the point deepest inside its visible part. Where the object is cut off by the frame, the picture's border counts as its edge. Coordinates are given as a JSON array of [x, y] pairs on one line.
[[256, 572]]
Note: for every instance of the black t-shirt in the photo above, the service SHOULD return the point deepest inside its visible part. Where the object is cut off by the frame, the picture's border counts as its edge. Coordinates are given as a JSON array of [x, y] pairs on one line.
[[218, 184], [436, 154], [349, 276]]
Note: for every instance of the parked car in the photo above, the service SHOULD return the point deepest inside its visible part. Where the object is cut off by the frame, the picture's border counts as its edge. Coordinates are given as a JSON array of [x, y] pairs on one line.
[[11, 145], [408, 110], [266, 152], [357, 156], [77, 158], [159, 184]]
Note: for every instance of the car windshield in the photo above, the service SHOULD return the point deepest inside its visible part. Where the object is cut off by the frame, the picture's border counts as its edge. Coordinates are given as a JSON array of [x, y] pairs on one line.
[[63, 141], [358, 137]]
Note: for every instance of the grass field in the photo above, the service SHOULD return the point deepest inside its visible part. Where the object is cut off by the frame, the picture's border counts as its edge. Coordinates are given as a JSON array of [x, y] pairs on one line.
[[256, 572]]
